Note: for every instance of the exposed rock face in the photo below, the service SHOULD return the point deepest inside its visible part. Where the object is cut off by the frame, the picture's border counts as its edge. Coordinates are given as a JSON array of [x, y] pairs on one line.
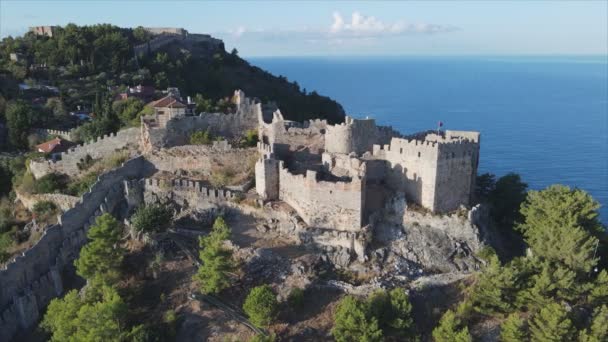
[[437, 243]]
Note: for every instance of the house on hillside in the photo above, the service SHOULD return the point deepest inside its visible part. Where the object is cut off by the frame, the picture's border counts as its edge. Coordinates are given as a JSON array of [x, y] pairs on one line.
[[168, 108], [145, 93], [55, 147]]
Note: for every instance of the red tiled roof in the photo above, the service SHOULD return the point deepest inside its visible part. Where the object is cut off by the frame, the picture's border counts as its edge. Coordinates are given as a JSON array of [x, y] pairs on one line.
[[54, 146], [168, 101]]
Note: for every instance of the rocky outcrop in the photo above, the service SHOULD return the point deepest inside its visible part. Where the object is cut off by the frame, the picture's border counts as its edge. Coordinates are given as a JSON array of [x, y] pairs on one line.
[[437, 243]]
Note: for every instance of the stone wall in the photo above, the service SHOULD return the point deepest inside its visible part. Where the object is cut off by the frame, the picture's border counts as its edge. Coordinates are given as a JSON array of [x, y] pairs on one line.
[[30, 280], [185, 193], [356, 135], [292, 135], [323, 204], [411, 168], [435, 171], [98, 148], [178, 130]]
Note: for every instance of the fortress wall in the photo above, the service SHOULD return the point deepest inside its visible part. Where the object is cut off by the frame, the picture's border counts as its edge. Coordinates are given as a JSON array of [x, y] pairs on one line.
[[343, 165], [97, 148], [456, 171], [411, 168], [292, 135], [356, 135], [186, 193], [33, 278], [229, 125], [323, 204]]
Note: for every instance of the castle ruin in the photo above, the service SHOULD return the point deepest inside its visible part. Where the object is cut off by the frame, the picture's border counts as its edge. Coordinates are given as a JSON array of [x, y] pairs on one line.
[[325, 185]]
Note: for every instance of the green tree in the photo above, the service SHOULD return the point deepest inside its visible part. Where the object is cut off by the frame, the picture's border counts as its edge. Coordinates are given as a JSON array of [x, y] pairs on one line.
[[102, 255], [72, 319], [128, 110], [494, 290], [353, 322], [261, 305], [551, 324], [513, 329], [599, 291], [564, 217], [484, 185], [401, 308], [598, 331], [450, 329], [506, 198], [213, 274], [203, 105], [152, 218], [20, 119]]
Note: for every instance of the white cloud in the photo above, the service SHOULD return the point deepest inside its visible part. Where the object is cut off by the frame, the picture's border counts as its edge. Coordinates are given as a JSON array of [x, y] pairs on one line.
[[360, 27], [369, 26]]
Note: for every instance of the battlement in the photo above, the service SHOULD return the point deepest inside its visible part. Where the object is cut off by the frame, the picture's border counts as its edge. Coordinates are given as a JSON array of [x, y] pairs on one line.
[[190, 185], [68, 135]]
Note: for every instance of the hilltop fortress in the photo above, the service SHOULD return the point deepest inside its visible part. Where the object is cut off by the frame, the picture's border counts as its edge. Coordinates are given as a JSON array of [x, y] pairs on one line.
[[329, 187], [355, 165]]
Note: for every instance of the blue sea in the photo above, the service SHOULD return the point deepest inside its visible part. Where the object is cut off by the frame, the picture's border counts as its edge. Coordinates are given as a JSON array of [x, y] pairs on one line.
[[545, 118]]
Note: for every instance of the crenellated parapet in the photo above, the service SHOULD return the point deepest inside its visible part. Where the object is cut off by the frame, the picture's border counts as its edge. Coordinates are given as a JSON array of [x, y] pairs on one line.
[[32, 278]]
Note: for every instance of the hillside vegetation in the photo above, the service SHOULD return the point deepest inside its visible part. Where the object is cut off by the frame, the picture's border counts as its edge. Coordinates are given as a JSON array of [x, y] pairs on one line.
[[87, 65]]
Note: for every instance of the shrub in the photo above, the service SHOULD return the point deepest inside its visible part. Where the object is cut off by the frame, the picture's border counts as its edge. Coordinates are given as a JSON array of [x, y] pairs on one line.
[[296, 298], [152, 218], [82, 185], [261, 305], [222, 177], [85, 163], [250, 139], [49, 183], [6, 242], [201, 138], [44, 209]]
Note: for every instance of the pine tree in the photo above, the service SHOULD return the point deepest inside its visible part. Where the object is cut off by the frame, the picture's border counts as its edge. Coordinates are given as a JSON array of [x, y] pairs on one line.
[[73, 319], [494, 290], [401, 309], [450, 330], [559, 216], [599, 290], [551, 324], [102, 256], [513, 329], [598, 331], [353, 322], [216, 260]]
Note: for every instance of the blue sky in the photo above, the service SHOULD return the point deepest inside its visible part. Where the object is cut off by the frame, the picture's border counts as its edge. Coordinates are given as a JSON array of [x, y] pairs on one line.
[[347, 28]]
